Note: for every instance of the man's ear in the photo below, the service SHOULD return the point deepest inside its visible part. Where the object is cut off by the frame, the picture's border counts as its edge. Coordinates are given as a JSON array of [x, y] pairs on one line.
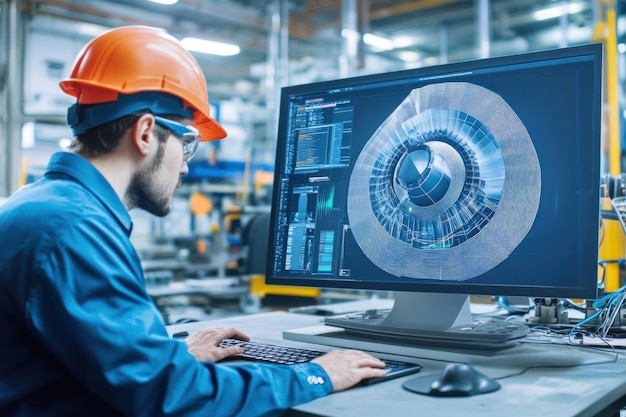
[[142, 133]]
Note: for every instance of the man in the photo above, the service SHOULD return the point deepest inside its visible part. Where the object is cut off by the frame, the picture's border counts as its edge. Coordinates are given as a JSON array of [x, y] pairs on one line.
[[80, 335]]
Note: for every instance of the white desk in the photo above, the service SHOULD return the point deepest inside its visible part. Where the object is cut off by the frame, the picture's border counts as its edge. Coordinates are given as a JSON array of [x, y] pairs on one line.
[[580, 391]]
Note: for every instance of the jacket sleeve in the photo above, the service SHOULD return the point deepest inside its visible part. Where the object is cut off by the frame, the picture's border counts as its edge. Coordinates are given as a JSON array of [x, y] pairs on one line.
[[88, 306]]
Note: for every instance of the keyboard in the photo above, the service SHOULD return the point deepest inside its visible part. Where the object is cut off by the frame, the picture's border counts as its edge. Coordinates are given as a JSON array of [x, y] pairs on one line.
[[289, 355], [490, 334]]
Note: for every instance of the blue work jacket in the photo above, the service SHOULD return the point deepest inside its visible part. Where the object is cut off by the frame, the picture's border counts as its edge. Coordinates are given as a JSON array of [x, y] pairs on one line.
[[80, 336]]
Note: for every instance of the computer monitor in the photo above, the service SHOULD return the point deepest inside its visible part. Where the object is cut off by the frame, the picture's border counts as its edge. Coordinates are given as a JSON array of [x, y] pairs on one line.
[[472, 178]]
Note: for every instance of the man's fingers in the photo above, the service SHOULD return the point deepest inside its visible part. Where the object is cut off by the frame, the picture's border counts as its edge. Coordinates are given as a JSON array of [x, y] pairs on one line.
[[346, 368], [231, 351], [204, 345], [373, 363], [216, 335], [232, 333]]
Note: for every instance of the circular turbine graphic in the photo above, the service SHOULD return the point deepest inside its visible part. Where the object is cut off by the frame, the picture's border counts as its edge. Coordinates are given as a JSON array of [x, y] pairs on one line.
[[451, 174]]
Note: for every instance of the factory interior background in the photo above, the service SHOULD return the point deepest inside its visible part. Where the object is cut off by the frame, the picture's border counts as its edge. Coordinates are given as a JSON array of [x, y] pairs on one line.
[[255, 47]]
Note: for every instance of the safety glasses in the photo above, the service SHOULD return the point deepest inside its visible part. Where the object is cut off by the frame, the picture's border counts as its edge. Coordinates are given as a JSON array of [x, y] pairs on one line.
[[188, 135]]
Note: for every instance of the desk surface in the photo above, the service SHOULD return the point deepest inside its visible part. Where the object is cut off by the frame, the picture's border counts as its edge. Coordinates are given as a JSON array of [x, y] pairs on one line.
[[579, 382]]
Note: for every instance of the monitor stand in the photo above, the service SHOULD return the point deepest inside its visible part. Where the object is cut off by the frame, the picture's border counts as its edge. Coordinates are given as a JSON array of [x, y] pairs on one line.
[[416, 319]]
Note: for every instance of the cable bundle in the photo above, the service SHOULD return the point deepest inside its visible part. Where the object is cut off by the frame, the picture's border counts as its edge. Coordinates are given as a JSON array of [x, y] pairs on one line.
[[608, 307]]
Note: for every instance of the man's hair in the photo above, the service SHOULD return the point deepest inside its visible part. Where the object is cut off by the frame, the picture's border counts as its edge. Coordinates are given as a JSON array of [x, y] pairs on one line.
[[103, 139]]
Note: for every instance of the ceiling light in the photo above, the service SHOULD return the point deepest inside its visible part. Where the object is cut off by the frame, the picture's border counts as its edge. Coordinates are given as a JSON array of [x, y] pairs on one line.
[[378, 42], [166, 2], [210, 47], [557, 11], [408, 56], [403, 42], [350, 34], [28, 135]]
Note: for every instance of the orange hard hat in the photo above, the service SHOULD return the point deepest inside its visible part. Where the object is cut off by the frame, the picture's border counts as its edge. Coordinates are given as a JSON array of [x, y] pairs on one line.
[[140, 59]]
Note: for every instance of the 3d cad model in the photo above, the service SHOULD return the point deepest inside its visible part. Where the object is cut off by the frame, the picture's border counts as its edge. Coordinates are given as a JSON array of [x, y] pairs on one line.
[[451, 174]]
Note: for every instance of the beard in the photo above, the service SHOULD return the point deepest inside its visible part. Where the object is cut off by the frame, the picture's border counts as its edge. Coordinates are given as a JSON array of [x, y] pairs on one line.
[[147, 192]]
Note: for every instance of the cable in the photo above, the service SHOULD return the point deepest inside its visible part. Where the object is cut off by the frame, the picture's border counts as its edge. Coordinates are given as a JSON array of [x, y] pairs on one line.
[[608, 308], [569, 303], [503, 303]]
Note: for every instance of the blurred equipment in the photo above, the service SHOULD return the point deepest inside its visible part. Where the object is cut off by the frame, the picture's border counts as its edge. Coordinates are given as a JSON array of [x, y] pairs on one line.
[[200, 206], [550, 311], [612, 232]]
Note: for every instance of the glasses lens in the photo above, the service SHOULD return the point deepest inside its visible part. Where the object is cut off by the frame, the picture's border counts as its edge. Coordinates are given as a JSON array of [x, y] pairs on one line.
[[190, 143], [188, 135]]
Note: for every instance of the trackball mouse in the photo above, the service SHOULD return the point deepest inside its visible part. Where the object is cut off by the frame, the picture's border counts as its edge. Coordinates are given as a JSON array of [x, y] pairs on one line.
[[456, 380]]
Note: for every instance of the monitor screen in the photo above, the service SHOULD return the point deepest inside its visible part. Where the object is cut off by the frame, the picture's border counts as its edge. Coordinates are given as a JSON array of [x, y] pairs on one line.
[[479, 177]]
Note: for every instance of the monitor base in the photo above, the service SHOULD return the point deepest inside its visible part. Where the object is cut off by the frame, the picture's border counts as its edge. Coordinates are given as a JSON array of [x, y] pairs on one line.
[[399, 345], [416, 319]]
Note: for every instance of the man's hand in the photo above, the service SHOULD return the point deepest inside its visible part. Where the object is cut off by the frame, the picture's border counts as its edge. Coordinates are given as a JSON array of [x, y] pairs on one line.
[[347, 368], [204, 345]]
